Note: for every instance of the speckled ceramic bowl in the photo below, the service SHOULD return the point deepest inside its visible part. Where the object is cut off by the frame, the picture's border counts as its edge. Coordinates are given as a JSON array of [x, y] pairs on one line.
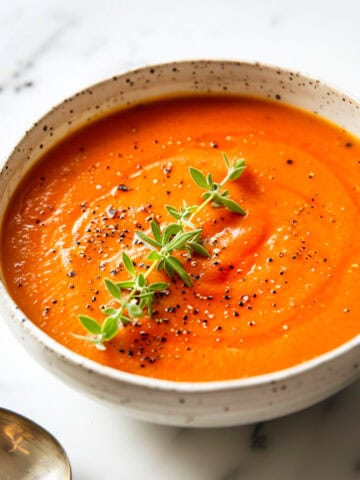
[[176, 403]]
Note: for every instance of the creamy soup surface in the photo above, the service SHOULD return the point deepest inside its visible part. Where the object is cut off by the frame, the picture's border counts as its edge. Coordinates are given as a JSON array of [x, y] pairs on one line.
[[281, 284]]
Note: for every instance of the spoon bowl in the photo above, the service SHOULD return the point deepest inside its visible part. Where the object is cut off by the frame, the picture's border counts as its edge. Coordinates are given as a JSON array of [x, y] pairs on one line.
[[27, 451]]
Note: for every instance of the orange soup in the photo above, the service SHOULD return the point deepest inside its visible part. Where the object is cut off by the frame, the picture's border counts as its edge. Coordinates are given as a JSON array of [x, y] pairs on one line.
[[281, 284]]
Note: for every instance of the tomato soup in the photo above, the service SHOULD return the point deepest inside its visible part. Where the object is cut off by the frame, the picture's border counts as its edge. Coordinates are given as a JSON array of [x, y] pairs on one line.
[[281, 284]]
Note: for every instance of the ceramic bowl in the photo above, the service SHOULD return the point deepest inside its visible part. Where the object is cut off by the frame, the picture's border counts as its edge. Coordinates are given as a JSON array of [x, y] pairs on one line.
[[205, 404]]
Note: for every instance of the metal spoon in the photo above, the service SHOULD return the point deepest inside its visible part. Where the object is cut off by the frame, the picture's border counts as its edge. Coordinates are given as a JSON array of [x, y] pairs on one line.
[[28, 452]]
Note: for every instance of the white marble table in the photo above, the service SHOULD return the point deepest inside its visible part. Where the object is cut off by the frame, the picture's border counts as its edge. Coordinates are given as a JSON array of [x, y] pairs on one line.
[[48, 50]]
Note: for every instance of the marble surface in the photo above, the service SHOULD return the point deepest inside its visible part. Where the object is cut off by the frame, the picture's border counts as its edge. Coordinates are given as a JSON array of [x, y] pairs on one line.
[[49, 50]]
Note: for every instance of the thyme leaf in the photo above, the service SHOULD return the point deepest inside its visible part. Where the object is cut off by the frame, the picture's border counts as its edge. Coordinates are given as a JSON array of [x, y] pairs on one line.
[[135, 296]]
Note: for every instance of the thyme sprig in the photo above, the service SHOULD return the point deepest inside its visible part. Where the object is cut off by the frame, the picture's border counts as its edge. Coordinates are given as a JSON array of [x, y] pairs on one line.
[[136, 295]]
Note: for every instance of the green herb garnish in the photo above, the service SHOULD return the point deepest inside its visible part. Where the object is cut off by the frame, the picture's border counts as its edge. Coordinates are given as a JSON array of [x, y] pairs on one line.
[[136, 295]]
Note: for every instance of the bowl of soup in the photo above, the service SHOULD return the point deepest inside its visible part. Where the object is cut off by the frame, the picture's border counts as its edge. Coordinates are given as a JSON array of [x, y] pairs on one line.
[[267, 321]]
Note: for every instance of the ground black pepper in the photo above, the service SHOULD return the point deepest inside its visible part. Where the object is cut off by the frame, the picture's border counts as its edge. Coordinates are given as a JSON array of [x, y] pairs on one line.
[[123, 188]]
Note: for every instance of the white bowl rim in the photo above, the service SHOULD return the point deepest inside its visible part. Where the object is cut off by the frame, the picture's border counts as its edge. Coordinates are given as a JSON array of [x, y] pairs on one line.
[[154, 383], [185, 387]]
